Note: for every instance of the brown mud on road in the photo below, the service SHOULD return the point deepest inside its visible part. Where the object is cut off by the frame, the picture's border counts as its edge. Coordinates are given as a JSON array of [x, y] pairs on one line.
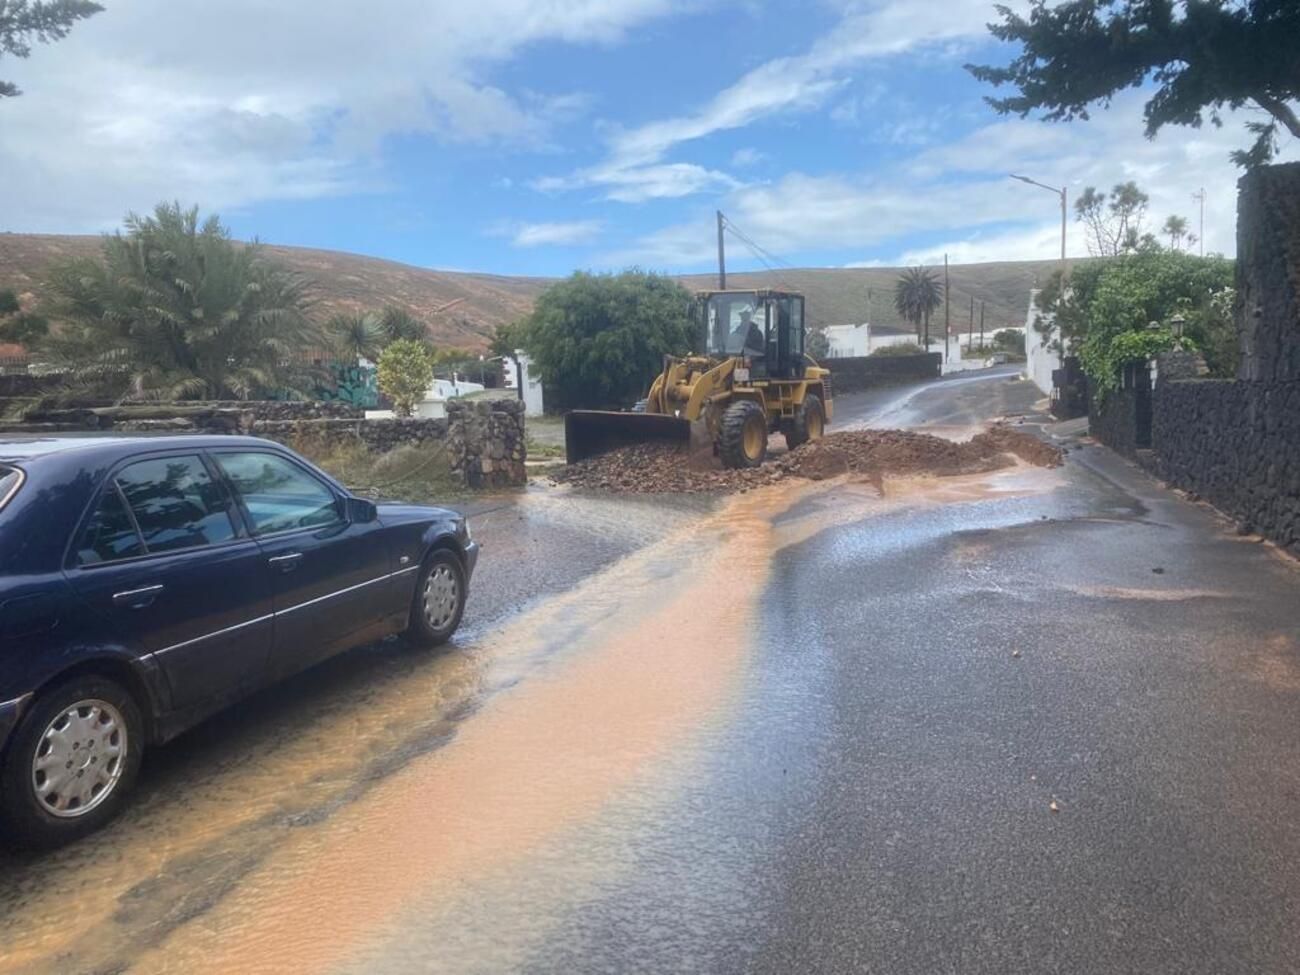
[[596, 687], [874, 454]]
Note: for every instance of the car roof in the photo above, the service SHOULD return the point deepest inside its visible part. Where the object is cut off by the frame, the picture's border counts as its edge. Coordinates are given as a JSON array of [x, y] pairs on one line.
[[19, 449]]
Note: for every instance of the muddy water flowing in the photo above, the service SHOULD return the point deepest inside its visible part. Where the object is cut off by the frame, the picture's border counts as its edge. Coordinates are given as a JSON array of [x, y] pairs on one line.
[[542, 728]]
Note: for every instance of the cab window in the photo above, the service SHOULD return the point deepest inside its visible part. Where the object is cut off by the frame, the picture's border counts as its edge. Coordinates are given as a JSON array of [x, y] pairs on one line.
[[277, 494]]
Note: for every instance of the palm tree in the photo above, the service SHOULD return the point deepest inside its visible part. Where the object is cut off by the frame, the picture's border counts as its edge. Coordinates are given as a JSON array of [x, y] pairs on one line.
[[1176, 228], [357, 336], [397, 323], [175, 309], [916, 295]]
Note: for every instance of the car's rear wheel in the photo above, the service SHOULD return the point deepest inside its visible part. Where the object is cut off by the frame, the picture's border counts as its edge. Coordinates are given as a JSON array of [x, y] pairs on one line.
[[71, 762], [439, 601]]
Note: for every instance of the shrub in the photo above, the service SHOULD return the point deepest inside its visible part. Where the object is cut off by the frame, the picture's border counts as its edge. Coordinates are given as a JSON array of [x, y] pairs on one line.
[[405, 374], [901, 348], [599, 339]]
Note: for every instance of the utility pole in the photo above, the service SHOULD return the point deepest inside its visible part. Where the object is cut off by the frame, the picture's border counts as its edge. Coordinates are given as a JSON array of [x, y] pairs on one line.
[[981, 324], [1199, 196], [722, 255], [970, 329], [947, 308]]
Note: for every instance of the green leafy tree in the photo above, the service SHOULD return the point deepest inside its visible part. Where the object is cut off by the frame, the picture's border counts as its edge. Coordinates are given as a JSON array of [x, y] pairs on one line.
[[25, 22], [817, 344], [1200, 55], [405, 374], [599, 339], [1175, 228], [175, 309], [1010, 340], [506, 338], [917, 294], [20, 326], [1139, 295], [1114, 222]]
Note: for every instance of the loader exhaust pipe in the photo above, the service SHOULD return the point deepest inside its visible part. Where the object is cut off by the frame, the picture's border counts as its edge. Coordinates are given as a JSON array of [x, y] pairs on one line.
[[591, 432]]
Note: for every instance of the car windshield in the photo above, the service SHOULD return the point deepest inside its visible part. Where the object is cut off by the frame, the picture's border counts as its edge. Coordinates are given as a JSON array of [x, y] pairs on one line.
[[10, 479]]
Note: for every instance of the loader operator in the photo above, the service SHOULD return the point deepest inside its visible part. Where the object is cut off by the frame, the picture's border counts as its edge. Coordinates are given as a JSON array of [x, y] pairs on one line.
[[746, 336]]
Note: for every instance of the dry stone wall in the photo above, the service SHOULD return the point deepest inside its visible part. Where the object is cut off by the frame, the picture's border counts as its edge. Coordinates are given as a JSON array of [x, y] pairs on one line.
[[1268, 273]]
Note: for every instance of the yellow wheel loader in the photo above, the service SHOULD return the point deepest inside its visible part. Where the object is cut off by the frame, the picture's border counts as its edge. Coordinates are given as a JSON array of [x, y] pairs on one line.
[[751, 378]]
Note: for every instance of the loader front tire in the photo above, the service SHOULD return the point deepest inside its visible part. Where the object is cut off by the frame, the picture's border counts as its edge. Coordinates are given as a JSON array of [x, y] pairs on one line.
[[809, 423], [743, 442]]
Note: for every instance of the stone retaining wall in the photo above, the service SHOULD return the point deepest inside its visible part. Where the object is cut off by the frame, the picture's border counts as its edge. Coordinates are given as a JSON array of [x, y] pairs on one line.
[[865, 372], [484, 439], [1237, 445]]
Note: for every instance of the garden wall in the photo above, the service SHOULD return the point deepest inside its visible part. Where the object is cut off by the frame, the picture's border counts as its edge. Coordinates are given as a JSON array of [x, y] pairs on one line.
[[1268, 273], [484, 439], [1237, 445], [865, 372]]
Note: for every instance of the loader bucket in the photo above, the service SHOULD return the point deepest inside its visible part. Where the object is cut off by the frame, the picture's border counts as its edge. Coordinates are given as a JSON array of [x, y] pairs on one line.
[[591, 432]]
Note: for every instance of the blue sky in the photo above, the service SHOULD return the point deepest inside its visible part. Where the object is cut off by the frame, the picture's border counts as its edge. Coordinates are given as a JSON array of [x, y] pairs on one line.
[[539, 136]]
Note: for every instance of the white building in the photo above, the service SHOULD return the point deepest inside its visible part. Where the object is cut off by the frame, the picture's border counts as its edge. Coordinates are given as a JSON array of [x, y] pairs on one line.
[[533, 405], [1040, 360]]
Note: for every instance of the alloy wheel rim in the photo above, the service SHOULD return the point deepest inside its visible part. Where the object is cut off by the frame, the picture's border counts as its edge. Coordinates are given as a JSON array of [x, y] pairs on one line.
[[441, 596], [79, 758]]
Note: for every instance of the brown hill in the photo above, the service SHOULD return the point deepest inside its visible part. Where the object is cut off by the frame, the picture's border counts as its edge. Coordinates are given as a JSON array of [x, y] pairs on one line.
[[463, 309]]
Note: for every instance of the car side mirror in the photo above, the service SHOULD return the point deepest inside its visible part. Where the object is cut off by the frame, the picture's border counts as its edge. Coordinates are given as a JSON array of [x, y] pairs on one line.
[[361, 511]]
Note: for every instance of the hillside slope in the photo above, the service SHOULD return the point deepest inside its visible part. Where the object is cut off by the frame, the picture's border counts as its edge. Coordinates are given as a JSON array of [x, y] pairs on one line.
[[349, 282]]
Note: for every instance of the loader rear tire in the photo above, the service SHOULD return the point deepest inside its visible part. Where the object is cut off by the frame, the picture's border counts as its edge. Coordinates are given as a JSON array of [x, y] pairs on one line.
[[809, 423], [743, 442]]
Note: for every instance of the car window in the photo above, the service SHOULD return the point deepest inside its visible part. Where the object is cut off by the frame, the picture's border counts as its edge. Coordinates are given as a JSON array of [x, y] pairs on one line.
[[10, 478], [176, 503], [110, 534], [278, 494]]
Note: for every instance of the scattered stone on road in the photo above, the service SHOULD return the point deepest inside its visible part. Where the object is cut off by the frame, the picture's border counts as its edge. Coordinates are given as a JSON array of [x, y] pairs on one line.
[[874, 454]]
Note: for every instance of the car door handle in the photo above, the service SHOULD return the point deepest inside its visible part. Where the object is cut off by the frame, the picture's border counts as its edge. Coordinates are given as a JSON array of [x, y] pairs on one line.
[[286, 563], [138, 598]]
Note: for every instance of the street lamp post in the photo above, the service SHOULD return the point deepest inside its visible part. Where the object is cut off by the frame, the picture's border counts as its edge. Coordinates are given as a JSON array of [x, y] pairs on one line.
[[1050, 189]]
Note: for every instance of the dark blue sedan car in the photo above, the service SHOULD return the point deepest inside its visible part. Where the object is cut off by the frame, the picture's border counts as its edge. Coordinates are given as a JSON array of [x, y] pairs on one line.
[[147, 582]]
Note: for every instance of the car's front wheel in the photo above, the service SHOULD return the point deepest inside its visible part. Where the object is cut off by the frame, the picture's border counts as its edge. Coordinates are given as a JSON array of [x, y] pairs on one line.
[[71, 761], [439, 600]]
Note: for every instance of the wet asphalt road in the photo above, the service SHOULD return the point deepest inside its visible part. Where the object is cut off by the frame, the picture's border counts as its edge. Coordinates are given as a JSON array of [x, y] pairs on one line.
[[924, 686], [871, 786]]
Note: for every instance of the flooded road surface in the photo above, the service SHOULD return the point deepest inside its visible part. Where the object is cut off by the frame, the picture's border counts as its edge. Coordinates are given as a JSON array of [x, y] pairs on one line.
[[1030, 721]]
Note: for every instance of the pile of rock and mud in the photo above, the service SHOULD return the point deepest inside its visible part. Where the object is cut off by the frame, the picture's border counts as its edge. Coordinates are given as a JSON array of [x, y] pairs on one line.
[[868, 454]]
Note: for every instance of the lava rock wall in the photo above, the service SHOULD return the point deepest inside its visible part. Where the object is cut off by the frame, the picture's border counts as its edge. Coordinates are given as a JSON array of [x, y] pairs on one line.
[[1268, 273], [866, 372], [1237, 445]]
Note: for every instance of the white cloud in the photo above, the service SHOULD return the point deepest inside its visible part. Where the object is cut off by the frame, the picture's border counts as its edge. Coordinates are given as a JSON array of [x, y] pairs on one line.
[[798, 82], [959, 194], [551, 234], [748, 156], [270, 101]]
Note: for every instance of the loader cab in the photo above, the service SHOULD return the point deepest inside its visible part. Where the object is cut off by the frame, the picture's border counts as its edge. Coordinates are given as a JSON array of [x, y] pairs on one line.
[[765, 327]]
